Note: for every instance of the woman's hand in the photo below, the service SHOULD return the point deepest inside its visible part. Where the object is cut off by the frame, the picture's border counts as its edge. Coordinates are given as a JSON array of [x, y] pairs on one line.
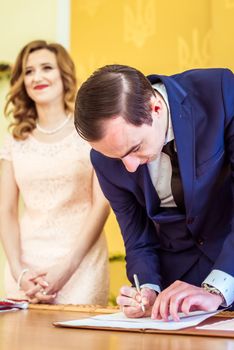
[[47, 285], [27, 284], [25, 280]]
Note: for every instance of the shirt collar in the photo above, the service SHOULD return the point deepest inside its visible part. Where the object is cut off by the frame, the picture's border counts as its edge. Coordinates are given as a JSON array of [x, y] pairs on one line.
[[160, 88]]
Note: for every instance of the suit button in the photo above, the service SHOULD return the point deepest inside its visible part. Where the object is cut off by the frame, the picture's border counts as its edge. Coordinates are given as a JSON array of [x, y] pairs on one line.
[[190, 220], [200, 241]]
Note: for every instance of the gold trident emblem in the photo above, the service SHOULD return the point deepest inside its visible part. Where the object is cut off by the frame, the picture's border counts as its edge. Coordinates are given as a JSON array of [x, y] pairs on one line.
[[139, 22], [195, 55]]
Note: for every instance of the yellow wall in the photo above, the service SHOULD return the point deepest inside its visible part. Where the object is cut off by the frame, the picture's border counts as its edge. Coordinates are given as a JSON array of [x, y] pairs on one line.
[[154, 36], [3, 122], [25, 20]]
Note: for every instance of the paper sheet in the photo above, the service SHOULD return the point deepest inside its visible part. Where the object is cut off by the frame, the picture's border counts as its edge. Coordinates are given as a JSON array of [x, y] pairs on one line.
[[119, 320], [227, 325]]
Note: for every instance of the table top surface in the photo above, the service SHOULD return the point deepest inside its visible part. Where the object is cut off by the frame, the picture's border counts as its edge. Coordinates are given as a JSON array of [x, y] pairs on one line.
[[33, 329]]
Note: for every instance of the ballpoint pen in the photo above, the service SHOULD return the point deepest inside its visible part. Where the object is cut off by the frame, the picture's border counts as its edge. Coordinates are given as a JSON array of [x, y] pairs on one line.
[[136, 281]]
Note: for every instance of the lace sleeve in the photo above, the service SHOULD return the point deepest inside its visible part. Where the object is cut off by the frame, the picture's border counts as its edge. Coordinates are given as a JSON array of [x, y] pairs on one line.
[[5, 149]]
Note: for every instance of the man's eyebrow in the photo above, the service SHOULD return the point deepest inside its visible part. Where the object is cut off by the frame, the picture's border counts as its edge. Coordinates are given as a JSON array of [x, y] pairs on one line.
[[133, 148]]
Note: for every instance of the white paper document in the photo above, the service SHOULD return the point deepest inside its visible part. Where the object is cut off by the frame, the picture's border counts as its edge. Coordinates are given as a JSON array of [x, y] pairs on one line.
[[227, 325], [119, 320]]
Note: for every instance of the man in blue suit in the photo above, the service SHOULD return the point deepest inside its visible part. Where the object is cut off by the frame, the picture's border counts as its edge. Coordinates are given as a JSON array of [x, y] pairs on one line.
[[174, 208]]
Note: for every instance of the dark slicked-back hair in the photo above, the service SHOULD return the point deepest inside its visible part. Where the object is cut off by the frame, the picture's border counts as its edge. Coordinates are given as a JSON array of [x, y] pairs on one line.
[[111, 91]]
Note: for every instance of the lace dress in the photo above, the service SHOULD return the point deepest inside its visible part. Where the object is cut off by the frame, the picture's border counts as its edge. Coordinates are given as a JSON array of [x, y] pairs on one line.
[[55, 185]]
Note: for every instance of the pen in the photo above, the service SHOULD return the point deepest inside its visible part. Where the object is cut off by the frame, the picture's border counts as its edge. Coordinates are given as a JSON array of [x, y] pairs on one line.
[[136, 281]]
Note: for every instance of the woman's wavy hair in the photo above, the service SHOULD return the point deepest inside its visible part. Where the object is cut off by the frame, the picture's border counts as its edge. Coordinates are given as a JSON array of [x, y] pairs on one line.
[[19, 105]]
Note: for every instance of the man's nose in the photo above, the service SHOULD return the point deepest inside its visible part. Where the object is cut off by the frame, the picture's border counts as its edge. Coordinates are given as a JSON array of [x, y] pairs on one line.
[[131, 163]]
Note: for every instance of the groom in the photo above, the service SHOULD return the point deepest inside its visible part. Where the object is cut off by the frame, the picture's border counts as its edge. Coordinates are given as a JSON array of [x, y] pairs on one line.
[[163, 150]]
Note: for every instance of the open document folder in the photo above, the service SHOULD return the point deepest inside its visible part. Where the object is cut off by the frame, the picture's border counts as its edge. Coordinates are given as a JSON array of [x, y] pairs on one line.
[[120, 321]]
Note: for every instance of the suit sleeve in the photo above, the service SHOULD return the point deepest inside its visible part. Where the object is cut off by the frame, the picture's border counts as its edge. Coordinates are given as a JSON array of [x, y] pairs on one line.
[[222, 275], [137, 229]]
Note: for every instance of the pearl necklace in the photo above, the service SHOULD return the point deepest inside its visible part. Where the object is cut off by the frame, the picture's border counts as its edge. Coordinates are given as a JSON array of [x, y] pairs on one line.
[[55, 130]]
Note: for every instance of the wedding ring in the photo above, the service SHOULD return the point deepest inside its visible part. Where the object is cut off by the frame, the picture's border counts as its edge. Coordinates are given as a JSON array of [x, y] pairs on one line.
[[42, 291]]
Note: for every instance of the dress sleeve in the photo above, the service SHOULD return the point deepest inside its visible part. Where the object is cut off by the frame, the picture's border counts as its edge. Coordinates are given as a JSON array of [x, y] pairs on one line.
[[5, 149]]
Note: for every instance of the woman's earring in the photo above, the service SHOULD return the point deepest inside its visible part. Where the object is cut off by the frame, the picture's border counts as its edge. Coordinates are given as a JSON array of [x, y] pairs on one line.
[[156, 108]]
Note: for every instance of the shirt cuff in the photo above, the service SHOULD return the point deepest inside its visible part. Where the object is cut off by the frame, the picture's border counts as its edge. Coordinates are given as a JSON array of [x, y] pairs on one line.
[[151, 286], [224, 283]]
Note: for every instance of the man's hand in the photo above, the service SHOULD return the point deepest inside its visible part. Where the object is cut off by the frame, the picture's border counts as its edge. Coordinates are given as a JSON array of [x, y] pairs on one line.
[[183, 297], [129, 300]]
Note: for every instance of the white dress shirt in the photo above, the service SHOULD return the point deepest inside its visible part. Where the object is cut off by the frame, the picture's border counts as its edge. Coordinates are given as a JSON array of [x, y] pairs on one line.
[[160, 169]]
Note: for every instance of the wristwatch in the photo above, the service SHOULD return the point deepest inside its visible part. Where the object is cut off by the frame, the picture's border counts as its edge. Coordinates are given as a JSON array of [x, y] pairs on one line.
[[213, 290]]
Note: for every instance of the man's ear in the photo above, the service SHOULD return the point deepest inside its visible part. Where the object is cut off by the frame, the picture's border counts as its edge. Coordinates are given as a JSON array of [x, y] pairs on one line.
[[155, 104]]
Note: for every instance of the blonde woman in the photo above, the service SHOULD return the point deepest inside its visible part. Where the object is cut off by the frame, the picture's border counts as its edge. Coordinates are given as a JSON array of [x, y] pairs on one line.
[[56, 250]]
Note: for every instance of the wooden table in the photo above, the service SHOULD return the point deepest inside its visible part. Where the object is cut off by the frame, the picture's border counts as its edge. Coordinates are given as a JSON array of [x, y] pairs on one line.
[[33, 330]]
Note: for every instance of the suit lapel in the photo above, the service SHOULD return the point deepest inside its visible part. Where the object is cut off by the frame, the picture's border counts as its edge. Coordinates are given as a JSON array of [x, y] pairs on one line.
[[152, 199], [182, 122]]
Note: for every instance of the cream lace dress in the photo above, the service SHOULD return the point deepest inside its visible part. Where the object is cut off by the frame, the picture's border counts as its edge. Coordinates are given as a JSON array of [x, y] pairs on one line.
[[55, 184]]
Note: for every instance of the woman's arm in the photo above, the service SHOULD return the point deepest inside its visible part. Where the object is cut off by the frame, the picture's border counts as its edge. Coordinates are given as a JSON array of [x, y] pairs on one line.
[[9, 227], [93, 225], [10, 232]]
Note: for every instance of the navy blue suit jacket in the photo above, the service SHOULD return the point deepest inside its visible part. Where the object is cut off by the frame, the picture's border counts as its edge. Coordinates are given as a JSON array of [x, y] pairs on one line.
[[202, 109]]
